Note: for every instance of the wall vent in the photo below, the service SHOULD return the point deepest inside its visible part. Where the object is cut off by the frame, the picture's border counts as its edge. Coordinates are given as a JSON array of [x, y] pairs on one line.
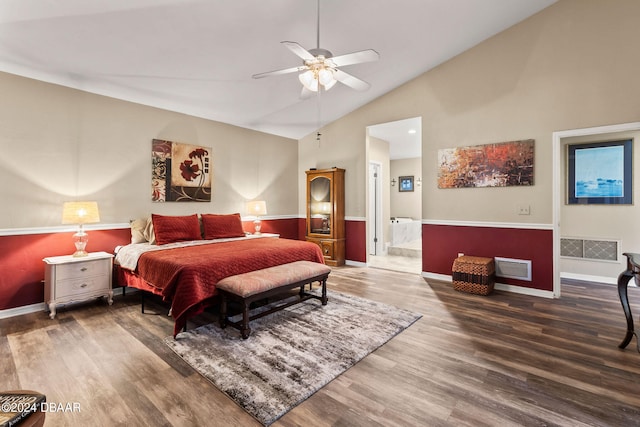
[[513, 268], [589, 249]]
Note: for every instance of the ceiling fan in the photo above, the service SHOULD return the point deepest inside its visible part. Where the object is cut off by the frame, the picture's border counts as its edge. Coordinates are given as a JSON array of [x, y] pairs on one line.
[[320, 69]]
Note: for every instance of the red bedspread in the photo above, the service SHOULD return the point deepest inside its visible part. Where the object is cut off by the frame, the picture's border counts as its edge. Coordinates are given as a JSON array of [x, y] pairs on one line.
[[188, 276]]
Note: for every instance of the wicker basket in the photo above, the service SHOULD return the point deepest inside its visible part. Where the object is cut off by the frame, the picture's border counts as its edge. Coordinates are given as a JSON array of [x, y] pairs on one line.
[[475, 275]]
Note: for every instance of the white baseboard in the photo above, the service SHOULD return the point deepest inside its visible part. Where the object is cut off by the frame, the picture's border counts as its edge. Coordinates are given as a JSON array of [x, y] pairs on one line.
[[499, 286], [355, 263], [589, 278], [436, 276], [25, 309], [524, 291], [34, 308]]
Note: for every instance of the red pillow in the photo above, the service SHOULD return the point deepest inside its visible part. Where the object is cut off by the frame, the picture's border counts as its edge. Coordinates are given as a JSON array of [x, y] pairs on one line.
[[169, 229], [222, 226]]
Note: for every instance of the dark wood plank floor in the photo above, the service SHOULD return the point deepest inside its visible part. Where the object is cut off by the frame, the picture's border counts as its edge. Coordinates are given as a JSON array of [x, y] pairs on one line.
[[500, 360]]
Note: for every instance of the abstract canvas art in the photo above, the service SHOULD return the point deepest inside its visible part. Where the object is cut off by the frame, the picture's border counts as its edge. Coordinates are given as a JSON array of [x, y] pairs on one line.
[[491, 165], [180, 172]]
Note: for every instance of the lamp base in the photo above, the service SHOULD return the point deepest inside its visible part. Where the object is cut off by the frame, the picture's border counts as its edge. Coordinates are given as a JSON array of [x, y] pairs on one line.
[[257, 225], [80, 240]]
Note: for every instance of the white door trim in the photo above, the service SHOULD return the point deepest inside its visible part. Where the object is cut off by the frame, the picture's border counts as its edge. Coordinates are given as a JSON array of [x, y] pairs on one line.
[[375, 210]]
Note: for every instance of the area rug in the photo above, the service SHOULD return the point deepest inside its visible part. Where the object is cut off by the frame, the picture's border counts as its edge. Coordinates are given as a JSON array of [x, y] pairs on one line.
[[292, 353]]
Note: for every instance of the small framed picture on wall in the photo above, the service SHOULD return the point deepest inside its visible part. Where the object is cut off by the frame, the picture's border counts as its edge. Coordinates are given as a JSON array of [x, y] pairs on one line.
[[406, 183]]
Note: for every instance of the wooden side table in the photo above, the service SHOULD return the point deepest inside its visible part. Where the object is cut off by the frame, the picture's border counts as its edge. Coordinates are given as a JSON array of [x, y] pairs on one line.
[[633, 269], [70, 279]]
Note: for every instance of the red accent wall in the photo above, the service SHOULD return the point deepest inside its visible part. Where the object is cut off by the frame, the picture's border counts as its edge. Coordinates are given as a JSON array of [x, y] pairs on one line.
[[442, 243], [21, 280], [22, 269], [356, 241], [287, 228]]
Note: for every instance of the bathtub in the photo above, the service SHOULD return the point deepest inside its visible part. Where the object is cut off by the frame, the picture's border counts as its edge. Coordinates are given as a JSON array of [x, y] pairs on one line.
[[404, 230]]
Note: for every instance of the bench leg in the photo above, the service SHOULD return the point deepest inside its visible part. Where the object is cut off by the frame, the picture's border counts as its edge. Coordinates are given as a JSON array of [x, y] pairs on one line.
[[324, 292], [245, 330], [223, 310]]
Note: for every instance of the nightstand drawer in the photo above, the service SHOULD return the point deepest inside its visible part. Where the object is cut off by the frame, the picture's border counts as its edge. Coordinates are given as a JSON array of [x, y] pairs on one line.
[[76, 270], [78, 287]]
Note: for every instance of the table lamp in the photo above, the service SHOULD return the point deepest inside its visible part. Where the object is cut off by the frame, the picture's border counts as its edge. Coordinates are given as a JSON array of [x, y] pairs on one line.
[[257, 208], [80, 213]]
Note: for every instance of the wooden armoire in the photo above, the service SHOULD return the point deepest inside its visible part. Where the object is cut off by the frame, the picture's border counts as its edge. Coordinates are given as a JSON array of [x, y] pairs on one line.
[[325, 213]]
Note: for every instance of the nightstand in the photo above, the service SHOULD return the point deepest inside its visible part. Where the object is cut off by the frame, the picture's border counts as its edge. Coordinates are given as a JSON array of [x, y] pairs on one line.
[[272, 235], [73, 279]]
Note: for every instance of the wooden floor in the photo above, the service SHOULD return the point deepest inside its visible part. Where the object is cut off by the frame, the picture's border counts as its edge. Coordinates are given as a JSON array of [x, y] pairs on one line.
[[500, 360]]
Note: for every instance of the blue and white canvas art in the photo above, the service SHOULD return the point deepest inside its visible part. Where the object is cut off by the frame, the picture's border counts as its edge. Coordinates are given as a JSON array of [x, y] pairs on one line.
[[600, 172]]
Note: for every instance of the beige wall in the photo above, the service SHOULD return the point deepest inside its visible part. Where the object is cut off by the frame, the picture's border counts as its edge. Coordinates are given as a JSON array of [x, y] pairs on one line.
[[573, 65], [61, 144], [407, 204], [570, 66]]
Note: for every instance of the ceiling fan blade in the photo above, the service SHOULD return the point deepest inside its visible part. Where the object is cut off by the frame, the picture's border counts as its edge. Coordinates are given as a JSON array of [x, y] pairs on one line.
[[299, 51], [368, 55], [349, 80], [278, 72]]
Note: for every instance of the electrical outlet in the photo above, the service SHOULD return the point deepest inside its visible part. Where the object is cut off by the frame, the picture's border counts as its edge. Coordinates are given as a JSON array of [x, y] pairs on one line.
[[524, 210]]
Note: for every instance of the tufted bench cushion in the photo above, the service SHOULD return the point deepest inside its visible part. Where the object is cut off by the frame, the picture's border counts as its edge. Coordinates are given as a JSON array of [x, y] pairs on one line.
[[259, 284]]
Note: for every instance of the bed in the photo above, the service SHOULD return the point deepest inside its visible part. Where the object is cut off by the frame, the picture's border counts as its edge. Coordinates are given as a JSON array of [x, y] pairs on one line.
[[184, 271]]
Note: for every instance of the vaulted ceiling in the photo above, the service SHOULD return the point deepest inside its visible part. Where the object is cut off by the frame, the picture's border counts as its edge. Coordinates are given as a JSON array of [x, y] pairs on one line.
[[197, 56]]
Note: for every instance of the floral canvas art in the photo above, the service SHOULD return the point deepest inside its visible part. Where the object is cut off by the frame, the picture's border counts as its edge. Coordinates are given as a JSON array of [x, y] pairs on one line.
[[491, 165], [180, 172]]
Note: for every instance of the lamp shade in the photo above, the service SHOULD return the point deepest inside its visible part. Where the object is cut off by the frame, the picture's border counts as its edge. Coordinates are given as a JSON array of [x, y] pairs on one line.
[[257, 207], [80, 213]]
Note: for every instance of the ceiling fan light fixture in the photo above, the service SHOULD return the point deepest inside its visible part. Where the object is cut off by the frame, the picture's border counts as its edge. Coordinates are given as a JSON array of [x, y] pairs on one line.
[[317, 76], [307, 78], [325, 77], [331, 84], [321, 69]]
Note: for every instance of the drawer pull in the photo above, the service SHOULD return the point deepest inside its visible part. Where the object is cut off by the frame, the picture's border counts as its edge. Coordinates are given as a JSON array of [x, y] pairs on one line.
[[84, 285], [83, 269], [326, 251]]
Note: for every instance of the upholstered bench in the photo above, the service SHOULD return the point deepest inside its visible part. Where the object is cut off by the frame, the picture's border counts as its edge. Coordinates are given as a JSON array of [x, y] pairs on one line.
[[256, 285]]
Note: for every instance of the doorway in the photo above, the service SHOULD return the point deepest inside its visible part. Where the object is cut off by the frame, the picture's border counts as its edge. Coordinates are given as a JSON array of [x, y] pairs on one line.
[[394, 212], [559, 138]]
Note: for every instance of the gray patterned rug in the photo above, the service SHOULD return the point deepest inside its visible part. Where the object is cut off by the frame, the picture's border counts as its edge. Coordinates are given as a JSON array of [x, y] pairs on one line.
[[292, 353]]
